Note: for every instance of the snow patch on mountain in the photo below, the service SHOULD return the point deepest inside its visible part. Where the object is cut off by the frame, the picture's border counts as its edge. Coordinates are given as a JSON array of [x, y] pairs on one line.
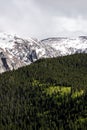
[[6, 41], [67, 46], [16, 52]]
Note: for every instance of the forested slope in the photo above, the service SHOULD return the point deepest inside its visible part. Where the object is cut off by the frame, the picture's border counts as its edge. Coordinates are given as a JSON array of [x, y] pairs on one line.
[[49, 94]]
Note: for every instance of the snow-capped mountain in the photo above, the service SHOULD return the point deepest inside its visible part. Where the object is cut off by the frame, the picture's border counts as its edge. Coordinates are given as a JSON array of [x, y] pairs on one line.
[[67, 46], [16, 52]]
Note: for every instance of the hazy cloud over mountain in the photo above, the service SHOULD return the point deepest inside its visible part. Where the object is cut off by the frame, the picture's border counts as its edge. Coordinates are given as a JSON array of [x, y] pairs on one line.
[[44, 18]]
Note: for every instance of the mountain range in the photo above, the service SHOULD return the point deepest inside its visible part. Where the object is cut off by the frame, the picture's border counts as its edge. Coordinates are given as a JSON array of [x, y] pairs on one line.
[[16, 52]]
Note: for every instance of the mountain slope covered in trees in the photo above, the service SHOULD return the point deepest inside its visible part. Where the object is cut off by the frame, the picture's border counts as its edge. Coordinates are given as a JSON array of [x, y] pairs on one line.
[[49, 94]]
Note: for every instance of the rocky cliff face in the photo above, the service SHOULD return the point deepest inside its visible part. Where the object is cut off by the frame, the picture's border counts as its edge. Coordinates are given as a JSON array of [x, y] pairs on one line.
[[16, 52]]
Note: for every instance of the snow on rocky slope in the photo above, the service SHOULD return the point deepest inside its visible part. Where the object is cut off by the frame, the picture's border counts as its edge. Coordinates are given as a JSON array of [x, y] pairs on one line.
[[16, 52], [67, 46]]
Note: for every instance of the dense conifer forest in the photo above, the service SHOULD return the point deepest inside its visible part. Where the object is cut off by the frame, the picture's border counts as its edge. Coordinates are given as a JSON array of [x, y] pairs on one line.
[[50, 94]]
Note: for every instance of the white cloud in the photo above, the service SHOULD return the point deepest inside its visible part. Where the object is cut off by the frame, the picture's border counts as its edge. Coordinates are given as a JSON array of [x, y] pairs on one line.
[[67, 25], [43, 18]]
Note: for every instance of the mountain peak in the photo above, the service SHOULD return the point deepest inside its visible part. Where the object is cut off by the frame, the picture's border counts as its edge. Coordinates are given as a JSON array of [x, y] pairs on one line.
[[19, 52]]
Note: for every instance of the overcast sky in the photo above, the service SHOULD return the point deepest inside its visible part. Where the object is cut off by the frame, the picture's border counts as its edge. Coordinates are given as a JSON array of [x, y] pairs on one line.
[[43, 18]]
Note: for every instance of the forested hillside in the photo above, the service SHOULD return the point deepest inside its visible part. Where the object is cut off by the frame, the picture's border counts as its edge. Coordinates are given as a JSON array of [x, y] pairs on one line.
[[50, 94]]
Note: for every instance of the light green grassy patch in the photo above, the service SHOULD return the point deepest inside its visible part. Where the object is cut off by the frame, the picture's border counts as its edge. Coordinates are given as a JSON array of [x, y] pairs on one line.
[[58, 90], [77, 94]]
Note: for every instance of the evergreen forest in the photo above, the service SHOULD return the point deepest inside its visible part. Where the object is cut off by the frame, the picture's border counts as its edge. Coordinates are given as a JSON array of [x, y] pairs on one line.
[[49, 94]]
